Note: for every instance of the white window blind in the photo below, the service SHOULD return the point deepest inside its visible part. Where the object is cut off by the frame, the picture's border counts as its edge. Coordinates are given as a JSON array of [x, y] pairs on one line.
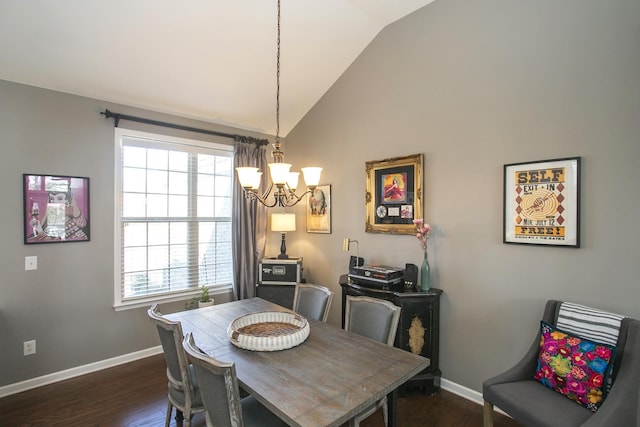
[[173, 217]]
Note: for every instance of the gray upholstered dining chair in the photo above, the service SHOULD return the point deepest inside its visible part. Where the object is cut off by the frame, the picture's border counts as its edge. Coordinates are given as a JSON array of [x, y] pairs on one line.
[[531, 403], [376, 319], [221, 395], [312, 301], [183, 393]]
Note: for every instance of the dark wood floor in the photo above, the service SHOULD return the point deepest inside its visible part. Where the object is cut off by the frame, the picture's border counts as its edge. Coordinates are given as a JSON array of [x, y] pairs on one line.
[[134, 394]]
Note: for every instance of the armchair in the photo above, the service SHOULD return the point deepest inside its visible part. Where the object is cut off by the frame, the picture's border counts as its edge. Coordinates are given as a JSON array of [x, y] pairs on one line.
[[533, 404]]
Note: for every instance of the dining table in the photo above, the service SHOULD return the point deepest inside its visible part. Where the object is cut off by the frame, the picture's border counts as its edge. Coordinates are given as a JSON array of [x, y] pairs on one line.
[[324, 381]]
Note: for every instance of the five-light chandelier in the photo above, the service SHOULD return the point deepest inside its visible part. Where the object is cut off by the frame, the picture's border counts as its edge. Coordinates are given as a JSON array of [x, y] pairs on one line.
[[282, 178]]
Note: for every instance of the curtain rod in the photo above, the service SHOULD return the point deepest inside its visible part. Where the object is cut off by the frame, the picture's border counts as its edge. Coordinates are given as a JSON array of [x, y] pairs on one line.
[[239, 138]]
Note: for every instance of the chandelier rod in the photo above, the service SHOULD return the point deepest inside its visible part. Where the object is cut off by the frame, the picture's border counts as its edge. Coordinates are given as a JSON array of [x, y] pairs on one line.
[[278, 81], [284, 194]]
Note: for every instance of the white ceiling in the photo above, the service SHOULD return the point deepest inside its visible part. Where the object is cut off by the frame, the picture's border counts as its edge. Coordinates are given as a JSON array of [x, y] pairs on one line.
[[212, 60]]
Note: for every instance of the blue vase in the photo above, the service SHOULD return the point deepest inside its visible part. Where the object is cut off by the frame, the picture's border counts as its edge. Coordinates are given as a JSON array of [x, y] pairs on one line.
[[425, 274]]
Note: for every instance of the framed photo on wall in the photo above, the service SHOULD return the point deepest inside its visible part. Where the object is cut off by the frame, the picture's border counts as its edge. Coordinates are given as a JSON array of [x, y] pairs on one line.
[[542, 203], [394, 194], [319, 210], [56, 208]]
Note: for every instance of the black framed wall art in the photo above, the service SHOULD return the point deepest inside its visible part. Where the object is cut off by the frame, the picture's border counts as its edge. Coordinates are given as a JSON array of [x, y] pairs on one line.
[[56, 208], [542, 202]]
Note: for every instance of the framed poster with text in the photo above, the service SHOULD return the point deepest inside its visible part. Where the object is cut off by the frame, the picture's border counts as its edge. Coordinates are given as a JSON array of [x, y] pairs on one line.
[[542, 202]]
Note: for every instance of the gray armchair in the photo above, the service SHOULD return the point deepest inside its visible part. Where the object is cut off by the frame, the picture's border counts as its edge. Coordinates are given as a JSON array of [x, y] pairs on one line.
[[183, 388], [378, 320], [532, 404], [220, 393], [312, 301]]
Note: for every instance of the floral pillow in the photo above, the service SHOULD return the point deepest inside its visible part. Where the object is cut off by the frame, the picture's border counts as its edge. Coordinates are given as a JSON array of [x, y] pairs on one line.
[[573, 366]]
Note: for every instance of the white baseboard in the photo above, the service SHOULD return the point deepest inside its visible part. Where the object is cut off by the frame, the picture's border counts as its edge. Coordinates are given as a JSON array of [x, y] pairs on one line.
[[467, 393], [77, 371], [462, 391]]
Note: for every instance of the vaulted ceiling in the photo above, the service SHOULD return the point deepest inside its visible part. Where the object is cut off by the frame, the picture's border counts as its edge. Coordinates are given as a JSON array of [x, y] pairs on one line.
[[213, 60]]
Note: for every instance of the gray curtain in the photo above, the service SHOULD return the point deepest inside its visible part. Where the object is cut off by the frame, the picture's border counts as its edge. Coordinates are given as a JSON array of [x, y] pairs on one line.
[[249, 224]]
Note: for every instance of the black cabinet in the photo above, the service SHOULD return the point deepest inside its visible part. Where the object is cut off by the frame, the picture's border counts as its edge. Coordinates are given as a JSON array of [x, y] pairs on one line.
[[418, 329], [280, 294], [277, 280]]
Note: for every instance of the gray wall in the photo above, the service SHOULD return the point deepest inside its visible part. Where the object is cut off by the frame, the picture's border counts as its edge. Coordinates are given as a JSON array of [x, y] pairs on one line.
[[475, 85], [472, 85], [67, 304]]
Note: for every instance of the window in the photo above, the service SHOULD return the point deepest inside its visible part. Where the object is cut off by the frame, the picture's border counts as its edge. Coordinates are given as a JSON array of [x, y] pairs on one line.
[[173, 217]]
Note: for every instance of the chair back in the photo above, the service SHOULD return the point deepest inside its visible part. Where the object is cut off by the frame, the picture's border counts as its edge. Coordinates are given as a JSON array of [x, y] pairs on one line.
[[171, 339], [218, 386], [373, 318], [312, 301]]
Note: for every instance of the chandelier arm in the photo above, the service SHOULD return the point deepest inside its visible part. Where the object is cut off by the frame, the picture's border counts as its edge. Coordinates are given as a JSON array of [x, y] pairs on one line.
[[266, 192], [263, 200], [295, 200], [296, 197], [286, 203]]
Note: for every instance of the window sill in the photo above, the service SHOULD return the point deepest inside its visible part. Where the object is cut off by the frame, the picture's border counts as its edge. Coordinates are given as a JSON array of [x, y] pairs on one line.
[[157, 299]]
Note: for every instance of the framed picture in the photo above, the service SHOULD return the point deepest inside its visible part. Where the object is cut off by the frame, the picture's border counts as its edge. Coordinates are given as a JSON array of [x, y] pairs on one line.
[[394, 194], [542, 202], [56, 208], [319, 210]]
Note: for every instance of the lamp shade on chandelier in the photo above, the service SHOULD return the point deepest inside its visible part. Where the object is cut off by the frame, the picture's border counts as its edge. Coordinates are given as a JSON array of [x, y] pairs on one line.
[[283, 182]]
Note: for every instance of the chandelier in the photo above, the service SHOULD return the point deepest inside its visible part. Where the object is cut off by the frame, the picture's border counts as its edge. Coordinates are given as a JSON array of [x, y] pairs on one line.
[[284, 181]]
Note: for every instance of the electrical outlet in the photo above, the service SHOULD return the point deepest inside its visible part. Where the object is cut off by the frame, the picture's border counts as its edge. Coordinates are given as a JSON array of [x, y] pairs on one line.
[[29, 347]]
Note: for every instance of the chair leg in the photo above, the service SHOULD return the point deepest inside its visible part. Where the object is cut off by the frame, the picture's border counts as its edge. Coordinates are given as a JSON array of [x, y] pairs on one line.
[[187, 417], [169, 410], [487, 414], [385, 413]]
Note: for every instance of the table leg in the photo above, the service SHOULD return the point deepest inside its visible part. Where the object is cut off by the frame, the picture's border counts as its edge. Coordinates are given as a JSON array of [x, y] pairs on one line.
[[391, 400]]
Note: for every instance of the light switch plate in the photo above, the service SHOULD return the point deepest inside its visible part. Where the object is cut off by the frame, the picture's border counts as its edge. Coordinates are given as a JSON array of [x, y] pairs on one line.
[[30, 263]]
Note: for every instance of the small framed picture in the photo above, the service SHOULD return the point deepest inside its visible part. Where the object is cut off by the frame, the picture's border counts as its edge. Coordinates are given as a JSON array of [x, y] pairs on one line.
[[319, 210], [394, 194], [542, 203], [56, 208]]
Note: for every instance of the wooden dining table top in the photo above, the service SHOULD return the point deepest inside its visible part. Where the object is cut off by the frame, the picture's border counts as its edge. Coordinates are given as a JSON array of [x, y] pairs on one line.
[[324, 381]]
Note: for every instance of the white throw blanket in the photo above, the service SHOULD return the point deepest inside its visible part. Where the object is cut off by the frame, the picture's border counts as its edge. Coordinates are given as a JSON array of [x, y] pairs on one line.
[[590, 323]]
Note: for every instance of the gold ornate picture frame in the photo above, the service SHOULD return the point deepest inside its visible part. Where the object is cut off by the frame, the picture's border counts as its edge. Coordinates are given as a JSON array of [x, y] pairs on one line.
[[394, 194]]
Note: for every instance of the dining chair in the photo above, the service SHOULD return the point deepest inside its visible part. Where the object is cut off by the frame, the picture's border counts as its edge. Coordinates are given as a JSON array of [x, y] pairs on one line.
[[376, 319], [183, 390], [221, 394], [312, 301]]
